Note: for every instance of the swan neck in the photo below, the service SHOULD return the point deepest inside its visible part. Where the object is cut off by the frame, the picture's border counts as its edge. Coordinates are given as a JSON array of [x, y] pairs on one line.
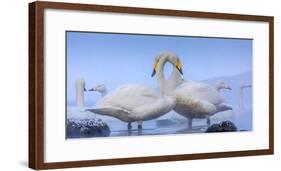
[[160, 76], [175, 79], [167, 86]]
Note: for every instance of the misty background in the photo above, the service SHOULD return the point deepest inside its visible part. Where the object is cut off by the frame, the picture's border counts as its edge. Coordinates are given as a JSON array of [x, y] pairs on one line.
[[117, 59]]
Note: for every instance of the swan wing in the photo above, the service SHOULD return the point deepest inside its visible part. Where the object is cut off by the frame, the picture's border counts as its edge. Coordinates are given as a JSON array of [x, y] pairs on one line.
[[139, 102], [199, 90], [129, 97], [154, 108], [190, 105], [120, 113], [223, 107]]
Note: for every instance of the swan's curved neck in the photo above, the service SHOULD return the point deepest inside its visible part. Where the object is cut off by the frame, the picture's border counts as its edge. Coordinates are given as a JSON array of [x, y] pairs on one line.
[[166, 86]]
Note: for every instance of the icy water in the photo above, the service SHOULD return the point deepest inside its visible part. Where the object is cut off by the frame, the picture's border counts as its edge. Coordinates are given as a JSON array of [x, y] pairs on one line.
[[170, 123], [159, 130]]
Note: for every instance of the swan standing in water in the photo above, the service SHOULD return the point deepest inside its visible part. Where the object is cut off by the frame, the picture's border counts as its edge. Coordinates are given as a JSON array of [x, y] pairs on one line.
[[193, 99], [222, 85]]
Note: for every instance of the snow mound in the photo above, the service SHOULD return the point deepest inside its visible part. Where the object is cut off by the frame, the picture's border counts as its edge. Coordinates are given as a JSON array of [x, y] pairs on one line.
[[79, 128]]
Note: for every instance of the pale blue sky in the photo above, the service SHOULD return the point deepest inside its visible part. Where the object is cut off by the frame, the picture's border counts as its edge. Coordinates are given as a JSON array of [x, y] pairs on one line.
[[116, 59]]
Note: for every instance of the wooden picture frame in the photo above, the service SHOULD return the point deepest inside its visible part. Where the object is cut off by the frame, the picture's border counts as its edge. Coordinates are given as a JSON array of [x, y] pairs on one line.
[[37, 80]]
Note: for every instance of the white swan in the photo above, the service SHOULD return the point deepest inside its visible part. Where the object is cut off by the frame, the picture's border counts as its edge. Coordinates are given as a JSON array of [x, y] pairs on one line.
[[193, 99], [101, 88], [222, 85]]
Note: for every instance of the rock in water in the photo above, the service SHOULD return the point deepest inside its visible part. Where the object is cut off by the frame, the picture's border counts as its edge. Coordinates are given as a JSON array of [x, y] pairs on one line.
[[225, 126], [214, 128], [228, 126], [81, 128]]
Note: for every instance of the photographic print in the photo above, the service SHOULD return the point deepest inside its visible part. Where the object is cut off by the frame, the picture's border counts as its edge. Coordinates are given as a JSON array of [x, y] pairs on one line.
[[101, 75], [120, 84]]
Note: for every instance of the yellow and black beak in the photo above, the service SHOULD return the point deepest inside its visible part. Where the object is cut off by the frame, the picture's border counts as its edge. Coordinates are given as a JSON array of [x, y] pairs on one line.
[[178, 66], [154, 69]]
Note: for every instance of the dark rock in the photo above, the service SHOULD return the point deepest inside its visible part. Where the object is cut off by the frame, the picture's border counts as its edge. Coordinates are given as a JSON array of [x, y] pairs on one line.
[[81, 128], [214, 128], [228, 126], [225, 126]]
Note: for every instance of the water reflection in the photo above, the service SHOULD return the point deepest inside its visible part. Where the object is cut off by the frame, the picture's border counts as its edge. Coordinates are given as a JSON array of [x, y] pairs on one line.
[[164, 130]]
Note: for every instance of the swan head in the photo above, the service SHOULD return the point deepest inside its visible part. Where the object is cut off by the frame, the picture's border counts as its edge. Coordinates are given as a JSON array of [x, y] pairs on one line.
[[245, 84], [222, 85], [99, 88], [161, 59]]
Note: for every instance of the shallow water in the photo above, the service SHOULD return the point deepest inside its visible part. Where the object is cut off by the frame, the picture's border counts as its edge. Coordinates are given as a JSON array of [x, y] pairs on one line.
[[159, 130], [165, 125]]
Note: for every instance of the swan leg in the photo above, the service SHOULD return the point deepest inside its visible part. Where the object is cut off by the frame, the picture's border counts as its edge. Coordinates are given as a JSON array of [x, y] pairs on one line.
[[129, 126], [208, 121], [189, 123], [139, 124], [139, 129]]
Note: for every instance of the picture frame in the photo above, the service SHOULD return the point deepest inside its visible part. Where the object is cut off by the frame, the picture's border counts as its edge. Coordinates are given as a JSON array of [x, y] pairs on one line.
[[38, 71]]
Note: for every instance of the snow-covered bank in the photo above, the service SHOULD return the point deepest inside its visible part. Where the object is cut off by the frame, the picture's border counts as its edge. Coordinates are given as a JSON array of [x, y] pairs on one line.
[[81, 128], [81, 124]]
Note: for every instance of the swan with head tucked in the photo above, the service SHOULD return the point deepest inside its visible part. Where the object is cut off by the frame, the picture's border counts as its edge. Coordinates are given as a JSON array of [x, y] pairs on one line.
[[138, 103], [193, 99]]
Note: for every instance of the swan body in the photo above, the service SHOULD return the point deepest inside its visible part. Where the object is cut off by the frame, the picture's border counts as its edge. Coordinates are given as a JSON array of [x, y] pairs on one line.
[[134, 103]]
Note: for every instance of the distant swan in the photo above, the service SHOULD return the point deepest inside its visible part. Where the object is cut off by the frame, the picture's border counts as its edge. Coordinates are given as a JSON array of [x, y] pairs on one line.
[[243, 85], [101, 88], [220, 85], [193, 99]]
